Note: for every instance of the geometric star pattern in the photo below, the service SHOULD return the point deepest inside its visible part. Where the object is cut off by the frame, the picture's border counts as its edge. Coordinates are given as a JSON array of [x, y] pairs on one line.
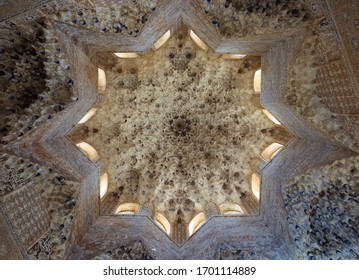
[[309, 148]]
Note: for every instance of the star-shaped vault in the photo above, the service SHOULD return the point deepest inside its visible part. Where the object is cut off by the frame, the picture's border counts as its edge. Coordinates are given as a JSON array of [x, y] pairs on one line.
[[93, 231], [180, 131]]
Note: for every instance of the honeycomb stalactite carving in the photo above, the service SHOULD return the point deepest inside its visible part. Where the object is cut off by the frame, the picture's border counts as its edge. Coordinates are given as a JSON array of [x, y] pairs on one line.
[[164, 163], [179, 127], [109, 16], [322, 209], [177, 144], [245, 18], [35, 78], [134, 251]]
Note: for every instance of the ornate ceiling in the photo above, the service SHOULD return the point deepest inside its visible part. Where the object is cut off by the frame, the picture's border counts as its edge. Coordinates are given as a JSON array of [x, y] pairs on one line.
[[179, 131]]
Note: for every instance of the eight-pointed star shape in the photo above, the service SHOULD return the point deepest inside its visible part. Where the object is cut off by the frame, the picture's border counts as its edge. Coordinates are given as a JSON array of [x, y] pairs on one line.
[[92, 232], [179, 133]]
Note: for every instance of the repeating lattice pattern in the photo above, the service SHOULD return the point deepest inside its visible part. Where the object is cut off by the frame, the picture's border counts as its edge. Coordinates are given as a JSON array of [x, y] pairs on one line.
[[28, 213], [335, 88]]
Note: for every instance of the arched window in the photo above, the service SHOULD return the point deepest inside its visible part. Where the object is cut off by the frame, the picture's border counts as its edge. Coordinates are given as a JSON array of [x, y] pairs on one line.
[[103, 185], [198, 41], [196, 223], [256, 181], [126, 55], [271, 151], [88, 116], [127, 209], [88, 150], [101, 81], [230, 209], [163, 223], [271, 117], [257, 81], [162, 40]]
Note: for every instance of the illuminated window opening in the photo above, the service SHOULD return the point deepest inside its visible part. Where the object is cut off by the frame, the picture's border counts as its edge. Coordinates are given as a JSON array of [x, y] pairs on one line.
[[276, 152], [196, 223], [101, 81], [198, 41], [257, 81], [231, 209], [88, 150], [271, 117], [88, 116], [271, 151], [163, 223], [103, 185], [127, 209], [233, 56], [126, 55], [256, 181], [162, 40]]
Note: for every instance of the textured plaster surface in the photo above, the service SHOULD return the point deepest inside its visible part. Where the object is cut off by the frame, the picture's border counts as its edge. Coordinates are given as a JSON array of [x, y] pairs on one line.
[[39, 204], [248, 18], [178, 129], [46, 66], [323, 211]]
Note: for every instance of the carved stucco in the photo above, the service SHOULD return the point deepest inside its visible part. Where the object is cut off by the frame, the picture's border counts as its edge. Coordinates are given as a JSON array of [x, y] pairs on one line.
[[316, 143], [179, 129]]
